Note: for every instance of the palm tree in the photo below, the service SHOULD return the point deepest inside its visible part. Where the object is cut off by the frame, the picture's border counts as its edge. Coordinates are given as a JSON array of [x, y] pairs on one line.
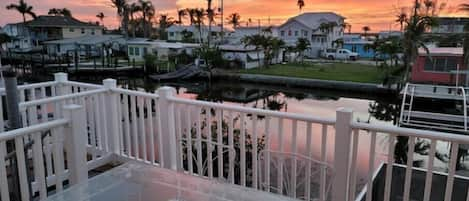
[[23, 8], [181, 14], [122, 12], [133, 9], [148, 10], [210, 16], [429, 6], [277, 45], [234, 19], [366, 29], [300, 4], [401, 19], [101, 17], [165, 21], [464, 7], [199, 15], [302, 44], [191, 12]]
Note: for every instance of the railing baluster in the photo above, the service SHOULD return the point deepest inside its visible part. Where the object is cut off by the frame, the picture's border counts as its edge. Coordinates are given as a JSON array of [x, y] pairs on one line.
[[189, 139], [199, 142], [22, 174], [208, 114], [242, 148], [371, 167], [220, 143], [254, 151], [179, 123], [152, 131], [92, 125], [389, 168], [353, 166], [126, 113], [452, 171], [267, 155], [159, 133], [308, 167], [231, 145], [120, 125], [408, 172], [142, 132], [133, 111], [39, 166], [99, 123], [429, 175], [280, 166], [294, 165], [322, 177], [47, 147], [58, 157], [4, 193], [104, 124]]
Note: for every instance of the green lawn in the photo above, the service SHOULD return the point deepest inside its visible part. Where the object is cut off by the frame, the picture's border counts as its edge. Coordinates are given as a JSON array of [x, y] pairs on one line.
[[333, 71]]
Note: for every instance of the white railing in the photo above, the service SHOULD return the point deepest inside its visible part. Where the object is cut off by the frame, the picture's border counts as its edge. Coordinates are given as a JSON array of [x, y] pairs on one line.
[[225, 142]]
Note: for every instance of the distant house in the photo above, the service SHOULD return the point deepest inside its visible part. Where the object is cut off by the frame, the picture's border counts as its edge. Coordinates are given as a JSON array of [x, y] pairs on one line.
[[361, 48], [241, 32], [389, 34], [307, 26], [192, 33], [450, 25], [34, 33], [139, 47], [248, 56], [88, 45], [441, 66]]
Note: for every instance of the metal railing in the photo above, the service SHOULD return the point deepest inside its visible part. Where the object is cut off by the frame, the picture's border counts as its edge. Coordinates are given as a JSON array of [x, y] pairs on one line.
[[193, 136]]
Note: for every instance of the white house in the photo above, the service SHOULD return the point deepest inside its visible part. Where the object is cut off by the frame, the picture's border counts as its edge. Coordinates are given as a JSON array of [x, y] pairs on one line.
[[307, 26], [86, 45], [241, 32], [247, 55], [139, 47], [192, 33]]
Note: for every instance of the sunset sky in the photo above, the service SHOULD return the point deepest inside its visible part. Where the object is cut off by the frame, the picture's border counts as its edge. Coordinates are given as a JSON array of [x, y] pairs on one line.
[[377, 14]]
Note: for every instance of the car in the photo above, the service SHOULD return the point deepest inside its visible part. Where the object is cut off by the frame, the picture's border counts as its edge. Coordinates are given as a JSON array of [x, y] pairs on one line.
[[341, 54]]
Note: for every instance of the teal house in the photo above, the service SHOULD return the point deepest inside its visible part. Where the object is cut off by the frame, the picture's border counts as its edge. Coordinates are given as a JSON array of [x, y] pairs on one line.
[[360, 48]]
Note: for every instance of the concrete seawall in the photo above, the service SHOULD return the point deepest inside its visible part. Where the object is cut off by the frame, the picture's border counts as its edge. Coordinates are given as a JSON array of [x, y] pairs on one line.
[[306, 83]]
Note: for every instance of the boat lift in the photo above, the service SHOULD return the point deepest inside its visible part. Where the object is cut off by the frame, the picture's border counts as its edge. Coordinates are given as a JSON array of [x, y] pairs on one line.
[[410, 117]]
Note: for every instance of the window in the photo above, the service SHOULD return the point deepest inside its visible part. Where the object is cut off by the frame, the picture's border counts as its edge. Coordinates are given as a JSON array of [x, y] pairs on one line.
[[131, 51], [296, 33], [282, 33], [289, 32], [137, 51], [82, 30], [72, 30], [305, 33], [442, 64], [171, 34]]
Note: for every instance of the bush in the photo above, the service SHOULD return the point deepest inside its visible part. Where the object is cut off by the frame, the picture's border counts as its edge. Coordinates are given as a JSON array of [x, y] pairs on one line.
[[150, 63]]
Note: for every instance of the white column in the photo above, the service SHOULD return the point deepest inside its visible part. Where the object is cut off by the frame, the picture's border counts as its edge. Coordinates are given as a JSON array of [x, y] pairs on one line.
[[342, 154], [61, 88], [112, 117], [168, 130], [75, 142]]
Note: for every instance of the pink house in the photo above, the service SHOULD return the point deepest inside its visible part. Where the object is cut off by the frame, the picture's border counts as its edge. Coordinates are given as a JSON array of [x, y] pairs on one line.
[[442, 66]]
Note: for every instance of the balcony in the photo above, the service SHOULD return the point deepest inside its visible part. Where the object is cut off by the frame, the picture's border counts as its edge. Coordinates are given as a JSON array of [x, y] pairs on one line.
[[72, 130]]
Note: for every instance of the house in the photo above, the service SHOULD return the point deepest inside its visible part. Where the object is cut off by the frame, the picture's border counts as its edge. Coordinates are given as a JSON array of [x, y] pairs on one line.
[[248, 56], [443, 66], [307, 25], [241, 32], [389, 34], [450, 25], [88, 45], [360, 47], [32, 34], [192, 33], [139, 47]]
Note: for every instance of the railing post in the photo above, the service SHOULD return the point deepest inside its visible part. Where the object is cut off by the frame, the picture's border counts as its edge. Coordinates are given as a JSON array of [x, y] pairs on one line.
[[61, 78], [112, 116], [75, 142], [342, 152], [168, 130]]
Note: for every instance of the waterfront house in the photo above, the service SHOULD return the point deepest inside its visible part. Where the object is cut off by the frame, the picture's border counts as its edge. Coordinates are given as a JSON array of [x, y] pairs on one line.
[[355, 43], [192, 33], [32, 34], [137, 48], [442, 66], [88, 45], [241, 32], [246, 56], [450, 25], [307, 26]]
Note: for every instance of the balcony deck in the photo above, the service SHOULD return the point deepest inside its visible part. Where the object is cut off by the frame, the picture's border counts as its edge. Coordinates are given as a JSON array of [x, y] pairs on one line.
[[89, 126]]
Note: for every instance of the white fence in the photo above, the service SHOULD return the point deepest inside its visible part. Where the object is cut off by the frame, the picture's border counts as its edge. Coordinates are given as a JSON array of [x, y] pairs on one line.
[[215, 140]]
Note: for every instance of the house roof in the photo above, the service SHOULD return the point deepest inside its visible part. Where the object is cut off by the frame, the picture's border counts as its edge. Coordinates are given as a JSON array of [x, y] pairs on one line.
[[58, 21], [442, 51], [313, 20], [237, 48], [161, 43], [453, 20], [194, 28], [89, 40]]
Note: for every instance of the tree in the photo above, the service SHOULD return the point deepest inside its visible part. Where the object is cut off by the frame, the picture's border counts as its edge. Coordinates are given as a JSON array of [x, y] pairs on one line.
[[234, 19], [401, 18], [122, 13], [366, 29], [261, 42], [210, 16], [4, 38], [302, 44], [133, 9], [60, 12], [23, 8], [277, 45], [165, 21], [300, 4], [101, 17], [181, 14], [199, 15], [148, 10], [191, 12]]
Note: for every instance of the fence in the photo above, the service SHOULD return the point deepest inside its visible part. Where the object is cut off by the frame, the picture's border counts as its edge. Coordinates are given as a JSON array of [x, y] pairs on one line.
[[217, 141]]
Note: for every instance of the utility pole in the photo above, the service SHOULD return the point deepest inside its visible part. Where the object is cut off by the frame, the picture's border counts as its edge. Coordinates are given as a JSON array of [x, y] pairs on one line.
[[222, 10]]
